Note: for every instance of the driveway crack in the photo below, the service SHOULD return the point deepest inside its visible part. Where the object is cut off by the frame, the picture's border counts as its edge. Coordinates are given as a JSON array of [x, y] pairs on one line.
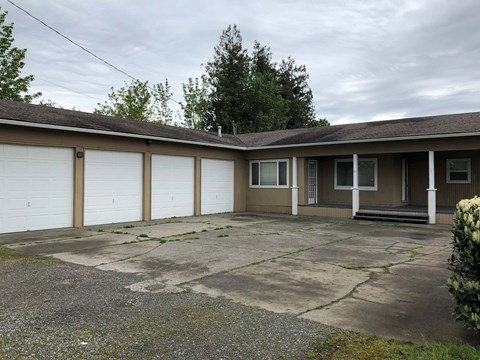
[[246, 265], [129, 257]]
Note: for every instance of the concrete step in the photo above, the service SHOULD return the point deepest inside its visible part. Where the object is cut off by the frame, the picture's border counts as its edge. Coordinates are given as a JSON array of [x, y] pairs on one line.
[[391, 217]]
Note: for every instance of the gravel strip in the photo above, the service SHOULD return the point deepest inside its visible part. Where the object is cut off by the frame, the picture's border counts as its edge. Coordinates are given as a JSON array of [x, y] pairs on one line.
[[54, 310]]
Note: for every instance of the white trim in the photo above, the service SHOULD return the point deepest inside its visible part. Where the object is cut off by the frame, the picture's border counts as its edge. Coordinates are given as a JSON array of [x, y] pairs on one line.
[[268, 186], [432, 192], [355, 188], [113, 133], [315, 200], [363, 188], [469, 172], [361, 141], [294, 186], [246, 148]]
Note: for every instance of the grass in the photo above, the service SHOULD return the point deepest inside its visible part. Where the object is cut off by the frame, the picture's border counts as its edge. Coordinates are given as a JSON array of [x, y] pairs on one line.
[[358, 346], [11, 256]]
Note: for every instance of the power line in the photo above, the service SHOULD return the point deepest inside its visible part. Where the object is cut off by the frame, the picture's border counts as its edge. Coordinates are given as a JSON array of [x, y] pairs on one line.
[[81, 47]]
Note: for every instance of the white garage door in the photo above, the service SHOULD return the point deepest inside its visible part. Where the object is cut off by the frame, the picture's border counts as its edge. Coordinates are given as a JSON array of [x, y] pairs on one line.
[[217, 186], [113, 187], [36, 188], [173, 184]]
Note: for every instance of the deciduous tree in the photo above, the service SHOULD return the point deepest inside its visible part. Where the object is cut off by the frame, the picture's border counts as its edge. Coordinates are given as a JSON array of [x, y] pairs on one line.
[[13, 86], [139, 101]]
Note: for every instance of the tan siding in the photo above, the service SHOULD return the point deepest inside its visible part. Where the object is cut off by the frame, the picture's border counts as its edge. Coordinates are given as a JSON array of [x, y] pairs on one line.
[[81, 141], [389, 187], [450, 194], [302, 181], [404, 146], [447, 194], [325, 212], [418, 179], [79, 189]]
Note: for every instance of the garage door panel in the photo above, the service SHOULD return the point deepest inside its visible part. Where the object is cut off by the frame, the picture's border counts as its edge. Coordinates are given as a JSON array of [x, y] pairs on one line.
[[36, 187], [113, 187], [173, 183], [217, 186]]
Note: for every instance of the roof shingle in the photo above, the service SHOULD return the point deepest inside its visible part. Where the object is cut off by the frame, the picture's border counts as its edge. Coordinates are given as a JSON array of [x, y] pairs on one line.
[[390, 129]]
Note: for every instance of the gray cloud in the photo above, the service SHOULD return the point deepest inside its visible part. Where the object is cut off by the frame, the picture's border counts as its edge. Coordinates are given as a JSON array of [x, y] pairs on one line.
[[367, 60]]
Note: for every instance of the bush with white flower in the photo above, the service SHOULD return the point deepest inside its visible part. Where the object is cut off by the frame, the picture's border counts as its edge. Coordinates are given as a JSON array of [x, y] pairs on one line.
[[464, 284]]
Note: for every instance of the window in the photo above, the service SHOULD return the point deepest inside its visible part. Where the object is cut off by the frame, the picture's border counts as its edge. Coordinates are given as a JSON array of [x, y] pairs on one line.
[[367, 174], [269, 173], [458, 171]]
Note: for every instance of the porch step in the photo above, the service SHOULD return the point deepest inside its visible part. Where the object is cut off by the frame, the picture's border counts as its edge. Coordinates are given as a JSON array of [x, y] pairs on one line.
[[393, 217]]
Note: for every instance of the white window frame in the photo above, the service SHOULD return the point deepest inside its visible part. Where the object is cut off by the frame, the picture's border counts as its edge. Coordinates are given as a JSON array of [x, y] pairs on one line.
[[259, 180], [469, 172], [364, 188]]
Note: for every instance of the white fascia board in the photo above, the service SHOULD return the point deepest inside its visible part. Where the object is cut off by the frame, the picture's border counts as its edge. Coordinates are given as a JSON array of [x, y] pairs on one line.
[[399, 138], [233, 147], [113, 133]]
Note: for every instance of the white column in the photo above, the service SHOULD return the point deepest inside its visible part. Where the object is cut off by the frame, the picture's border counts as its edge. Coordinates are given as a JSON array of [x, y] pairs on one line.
[[355, 189], [432, 199], [294, 187]]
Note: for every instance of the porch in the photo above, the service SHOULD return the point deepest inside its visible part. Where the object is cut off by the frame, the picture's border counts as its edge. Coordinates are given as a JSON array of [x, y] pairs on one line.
[[403, 213], [416, 187]]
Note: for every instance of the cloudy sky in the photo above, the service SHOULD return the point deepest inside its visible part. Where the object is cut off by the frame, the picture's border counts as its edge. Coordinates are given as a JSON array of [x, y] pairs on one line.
[[367, 60]]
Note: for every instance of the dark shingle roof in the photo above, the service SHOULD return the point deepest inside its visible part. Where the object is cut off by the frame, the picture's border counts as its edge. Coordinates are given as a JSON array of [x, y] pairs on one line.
[[377, 130], [37, 114], [421, 126]]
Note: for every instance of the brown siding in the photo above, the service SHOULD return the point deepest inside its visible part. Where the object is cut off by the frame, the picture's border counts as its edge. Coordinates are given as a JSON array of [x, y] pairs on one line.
[[418, 179], [450, 194], [447, 194], [389, 187]]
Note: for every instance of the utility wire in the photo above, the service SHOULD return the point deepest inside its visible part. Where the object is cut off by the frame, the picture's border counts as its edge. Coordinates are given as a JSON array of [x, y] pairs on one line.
[[81, 47]]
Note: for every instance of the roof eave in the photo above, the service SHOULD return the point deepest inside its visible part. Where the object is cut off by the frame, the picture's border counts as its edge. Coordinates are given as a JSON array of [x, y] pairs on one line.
[[114, 133], [396, 138]]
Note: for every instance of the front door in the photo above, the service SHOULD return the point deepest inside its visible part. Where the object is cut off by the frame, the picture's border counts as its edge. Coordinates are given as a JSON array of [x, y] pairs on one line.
[[312, 181]]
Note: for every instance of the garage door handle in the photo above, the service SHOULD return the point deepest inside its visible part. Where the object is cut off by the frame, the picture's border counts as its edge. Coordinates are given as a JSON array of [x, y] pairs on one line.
[[29, 204]]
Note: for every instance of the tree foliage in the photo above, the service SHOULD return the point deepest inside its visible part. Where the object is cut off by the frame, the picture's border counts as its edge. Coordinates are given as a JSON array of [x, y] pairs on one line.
[[252, 93], [464, 283], [195, 107], [13, 86], [228, 75], [139, 101]]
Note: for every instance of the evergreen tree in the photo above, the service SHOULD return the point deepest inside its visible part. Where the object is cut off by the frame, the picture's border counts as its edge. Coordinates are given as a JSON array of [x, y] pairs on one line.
[[228, 77], [266, 108], [13, 86], [295, 90]]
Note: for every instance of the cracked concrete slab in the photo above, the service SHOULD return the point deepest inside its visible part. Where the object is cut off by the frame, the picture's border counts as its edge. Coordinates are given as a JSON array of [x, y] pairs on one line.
[[179, 262], [283, 285], [280, 263], [410, 302]]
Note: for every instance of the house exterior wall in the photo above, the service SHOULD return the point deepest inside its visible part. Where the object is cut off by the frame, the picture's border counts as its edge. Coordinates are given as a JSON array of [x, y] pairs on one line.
[[389, 182], [447, 194], [19, 135], [389, 191]]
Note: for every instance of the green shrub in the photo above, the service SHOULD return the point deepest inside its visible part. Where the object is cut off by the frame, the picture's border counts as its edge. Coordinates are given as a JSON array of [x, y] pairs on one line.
[[464, 284]]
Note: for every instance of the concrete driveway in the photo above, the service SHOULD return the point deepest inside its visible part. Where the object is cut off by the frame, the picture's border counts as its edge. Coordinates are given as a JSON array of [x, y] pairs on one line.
[[380, 278]]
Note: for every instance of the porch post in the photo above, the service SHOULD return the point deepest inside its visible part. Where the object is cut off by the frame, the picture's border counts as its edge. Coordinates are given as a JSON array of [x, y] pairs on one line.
[[432, 200], [355, 189], [294, 187]]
